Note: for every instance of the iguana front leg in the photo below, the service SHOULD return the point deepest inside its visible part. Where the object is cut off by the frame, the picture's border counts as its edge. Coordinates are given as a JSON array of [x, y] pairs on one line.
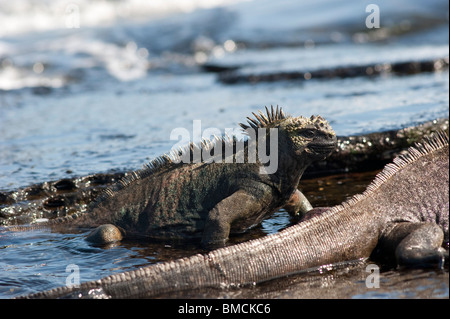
[[238, 205], [298, 204]]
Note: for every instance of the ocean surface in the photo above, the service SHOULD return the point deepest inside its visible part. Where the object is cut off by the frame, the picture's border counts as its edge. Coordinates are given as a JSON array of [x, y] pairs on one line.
[[98, 86]]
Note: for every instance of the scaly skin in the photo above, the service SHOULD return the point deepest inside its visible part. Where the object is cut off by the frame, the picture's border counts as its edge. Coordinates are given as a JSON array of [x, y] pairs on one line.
[[211, 200], [403, 215]]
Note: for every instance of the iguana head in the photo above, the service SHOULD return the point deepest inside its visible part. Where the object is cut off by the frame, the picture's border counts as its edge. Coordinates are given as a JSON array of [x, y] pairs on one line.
[[312, 136]]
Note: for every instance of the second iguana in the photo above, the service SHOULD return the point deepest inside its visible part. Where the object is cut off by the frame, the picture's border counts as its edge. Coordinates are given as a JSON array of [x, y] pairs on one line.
[[208, 200]]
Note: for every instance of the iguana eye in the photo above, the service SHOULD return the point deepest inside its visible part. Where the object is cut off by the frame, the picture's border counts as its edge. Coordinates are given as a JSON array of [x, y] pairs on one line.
[[308, 133]]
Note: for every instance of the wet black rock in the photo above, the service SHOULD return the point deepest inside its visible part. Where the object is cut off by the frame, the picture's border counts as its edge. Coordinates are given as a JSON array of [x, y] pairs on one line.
[[398, 68], [65, 185], [372, 151]]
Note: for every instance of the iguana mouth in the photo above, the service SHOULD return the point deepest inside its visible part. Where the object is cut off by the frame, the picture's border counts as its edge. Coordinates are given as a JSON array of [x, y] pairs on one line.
[[322, 148]]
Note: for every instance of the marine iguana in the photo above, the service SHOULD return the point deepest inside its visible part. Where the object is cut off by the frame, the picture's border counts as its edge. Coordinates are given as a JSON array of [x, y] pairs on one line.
[[360, 153], [208, 200], [403, 213]]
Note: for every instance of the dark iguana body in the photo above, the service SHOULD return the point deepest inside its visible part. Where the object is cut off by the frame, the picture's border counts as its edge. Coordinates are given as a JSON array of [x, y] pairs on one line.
[[403, 213], [210, 200]]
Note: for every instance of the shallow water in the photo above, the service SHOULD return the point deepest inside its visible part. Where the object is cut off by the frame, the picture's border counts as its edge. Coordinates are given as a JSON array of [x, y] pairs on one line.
[[106, 96], [52, 137], [40, 260], [37, 261]]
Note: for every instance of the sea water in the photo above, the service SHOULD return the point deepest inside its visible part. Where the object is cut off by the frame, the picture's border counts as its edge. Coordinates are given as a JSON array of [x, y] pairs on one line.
[[89, 87]]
